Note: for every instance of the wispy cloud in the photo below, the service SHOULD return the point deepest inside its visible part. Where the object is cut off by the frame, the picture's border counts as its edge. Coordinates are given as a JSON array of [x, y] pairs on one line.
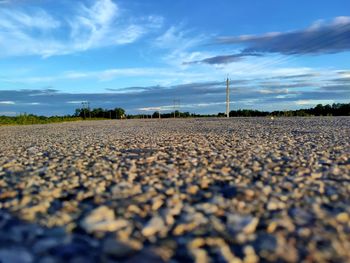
[[313, 102], [340, 87], [342, 80], [298, 76], [106, 75], [288, 85], [180, 44], [224, 59], [8, 113], [7, 102], [89, 26], [319, 38], [274, 91]]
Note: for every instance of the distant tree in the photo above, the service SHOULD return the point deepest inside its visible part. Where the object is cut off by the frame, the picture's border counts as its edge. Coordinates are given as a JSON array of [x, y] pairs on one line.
[[185, 114], [77, 112], [119, 113], [318, 110], [155, 114], [98, 113]]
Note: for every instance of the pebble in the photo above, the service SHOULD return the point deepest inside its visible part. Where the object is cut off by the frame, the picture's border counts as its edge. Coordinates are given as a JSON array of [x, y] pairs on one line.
[[245, 224], [15, 255], [343, 217], [155, 225], [116, 249], [103, 219]]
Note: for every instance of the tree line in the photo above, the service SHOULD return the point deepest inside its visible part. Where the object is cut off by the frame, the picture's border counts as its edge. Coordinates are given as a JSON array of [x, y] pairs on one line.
[[336, 109], [117, 113]]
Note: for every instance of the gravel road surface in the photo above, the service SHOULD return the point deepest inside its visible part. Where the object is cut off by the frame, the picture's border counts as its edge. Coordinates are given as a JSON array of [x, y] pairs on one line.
[[196, 190]]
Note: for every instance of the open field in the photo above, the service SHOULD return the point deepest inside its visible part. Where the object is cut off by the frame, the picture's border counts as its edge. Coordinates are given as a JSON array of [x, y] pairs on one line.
[[220, 190]]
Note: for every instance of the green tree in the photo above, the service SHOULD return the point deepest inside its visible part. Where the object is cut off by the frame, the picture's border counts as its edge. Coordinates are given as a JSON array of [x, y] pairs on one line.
[[119, 113]]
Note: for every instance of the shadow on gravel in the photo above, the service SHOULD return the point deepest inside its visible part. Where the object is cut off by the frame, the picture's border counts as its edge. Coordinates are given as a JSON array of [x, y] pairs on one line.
[[24, 242]]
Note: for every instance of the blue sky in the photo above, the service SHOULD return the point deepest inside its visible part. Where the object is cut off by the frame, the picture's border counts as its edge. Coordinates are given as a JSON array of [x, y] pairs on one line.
[[141, 55]]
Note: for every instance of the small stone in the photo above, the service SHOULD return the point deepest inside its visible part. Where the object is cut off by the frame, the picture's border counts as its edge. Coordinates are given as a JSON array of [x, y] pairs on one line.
[[304, 232], [103, 219], [200, 256], [245, 224], [316, 175], [116, 249], [157, 204], [275, 205], [197, 243], [267, 190], [272, 227], [43, 245], [265, 243], [229, 191], [343, 217], [250, 256], [249, 193], [47, 259], [8, 194], [301, 216], [251, 225], [145, 256], [69, 250], [155, 225], [193, 189], [15, 255]]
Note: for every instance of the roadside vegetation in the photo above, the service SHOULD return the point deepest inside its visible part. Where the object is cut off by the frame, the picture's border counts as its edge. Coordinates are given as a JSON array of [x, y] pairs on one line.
[[25, 119]]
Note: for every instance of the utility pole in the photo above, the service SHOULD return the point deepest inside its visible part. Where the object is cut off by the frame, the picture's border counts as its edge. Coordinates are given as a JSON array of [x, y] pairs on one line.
[[176, 106], [227, 98], [84, 109], [88, 105]]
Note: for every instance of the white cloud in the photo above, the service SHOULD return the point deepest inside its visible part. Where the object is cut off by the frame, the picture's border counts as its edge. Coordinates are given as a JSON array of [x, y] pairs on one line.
[[151, 109], [111, 74], [7, 102], [313, 102], [341, 20], [34, 31], [274, 91], [75, 102], [38, 19], [8, 113], [179, 43], [185, 106]]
